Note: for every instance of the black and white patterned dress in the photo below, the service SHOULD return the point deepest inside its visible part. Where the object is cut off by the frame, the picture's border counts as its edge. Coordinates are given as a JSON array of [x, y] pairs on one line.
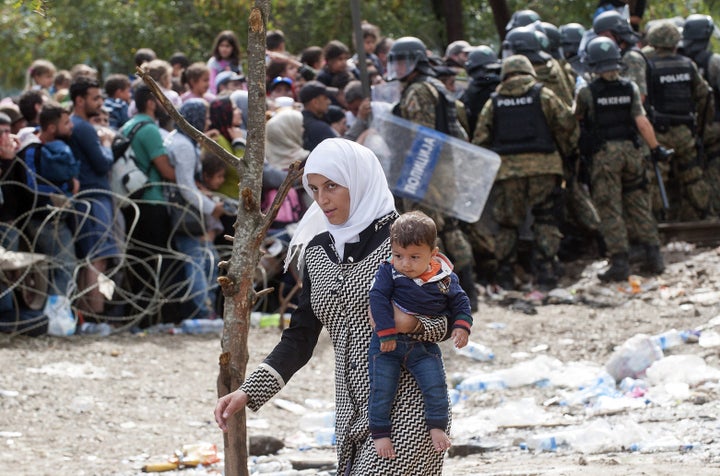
[[336, 296]]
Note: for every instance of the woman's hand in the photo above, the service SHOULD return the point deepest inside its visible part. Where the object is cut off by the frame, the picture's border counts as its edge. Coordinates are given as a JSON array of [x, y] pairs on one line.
[[228, 405]]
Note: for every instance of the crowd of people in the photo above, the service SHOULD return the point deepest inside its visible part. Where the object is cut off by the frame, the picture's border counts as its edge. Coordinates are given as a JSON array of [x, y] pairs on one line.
[[573, 112]]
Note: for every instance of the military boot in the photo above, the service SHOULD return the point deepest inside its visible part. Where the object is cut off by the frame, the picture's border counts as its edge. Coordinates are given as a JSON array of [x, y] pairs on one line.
[[546, 278], [505, 276], [653, 259], [619, 268]]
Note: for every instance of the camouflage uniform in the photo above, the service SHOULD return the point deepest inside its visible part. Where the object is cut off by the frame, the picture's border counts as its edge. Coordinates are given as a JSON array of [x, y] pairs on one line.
[[555, 78], [618, 183], [528, 180], [693, 192]]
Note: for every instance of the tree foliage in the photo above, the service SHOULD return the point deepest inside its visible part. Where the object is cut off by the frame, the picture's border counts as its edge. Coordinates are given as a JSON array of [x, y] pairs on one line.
[[106, 33]]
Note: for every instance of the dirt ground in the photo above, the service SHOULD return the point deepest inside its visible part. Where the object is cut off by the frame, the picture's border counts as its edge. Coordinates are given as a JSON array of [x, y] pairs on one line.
[[85, 405]]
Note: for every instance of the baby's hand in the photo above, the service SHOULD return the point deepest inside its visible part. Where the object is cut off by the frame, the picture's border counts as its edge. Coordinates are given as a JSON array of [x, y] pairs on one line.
[[388, 346], [459, 337]]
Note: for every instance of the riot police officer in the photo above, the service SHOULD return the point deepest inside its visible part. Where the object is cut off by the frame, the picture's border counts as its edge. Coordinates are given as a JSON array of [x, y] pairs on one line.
[[612, 25], [676, 91], [425, 101], [695, 41], [483, 67], [611, 113], [529, 42], [526, 124]]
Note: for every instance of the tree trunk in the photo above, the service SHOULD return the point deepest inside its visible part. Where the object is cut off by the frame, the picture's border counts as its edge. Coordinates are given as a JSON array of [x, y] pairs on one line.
[[501, 14], [238, 284], [453, 12]]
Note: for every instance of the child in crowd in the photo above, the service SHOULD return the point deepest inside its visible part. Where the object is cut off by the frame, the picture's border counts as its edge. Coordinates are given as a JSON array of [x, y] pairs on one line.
[[213, 176], [225, 56], [62, 81], [161, 71], [119, 95], [416, 280], [40, 75], [197, 80]]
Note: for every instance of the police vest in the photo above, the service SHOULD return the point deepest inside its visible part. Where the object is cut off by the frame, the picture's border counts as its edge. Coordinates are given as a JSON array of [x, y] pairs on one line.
[[670, 90], [612, 103], [702, 61], [519, 124]]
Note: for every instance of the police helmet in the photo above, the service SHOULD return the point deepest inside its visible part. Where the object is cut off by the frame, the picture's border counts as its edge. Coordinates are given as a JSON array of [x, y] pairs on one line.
[[613, 22], [527, 41], [522, 18], [664, 35], [554, 37], [481, 58], [696, 34], [698, 27], [406, 55], [603, 55], [516, 64], [571, 34]]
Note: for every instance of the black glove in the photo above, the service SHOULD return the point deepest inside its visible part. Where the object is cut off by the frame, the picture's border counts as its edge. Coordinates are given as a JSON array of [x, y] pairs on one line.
[[661, 154]]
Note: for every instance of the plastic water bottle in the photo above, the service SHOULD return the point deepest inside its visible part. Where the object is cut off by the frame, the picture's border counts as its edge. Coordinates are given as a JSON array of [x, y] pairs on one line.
[[202, 326], [671, 338], [477, 352], [102, 329]]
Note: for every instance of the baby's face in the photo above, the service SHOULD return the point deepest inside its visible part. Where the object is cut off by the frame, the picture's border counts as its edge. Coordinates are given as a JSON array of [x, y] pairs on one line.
[[413, 260]]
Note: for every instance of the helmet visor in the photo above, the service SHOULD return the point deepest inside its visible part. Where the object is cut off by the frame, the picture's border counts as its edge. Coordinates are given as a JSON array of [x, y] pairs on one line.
[[400, 65]]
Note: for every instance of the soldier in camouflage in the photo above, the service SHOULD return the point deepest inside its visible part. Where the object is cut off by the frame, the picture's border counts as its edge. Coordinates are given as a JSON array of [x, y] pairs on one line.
[[676, 92], [426, 101], [696, 39], [530, 127], [612, 25], [610, 111], [529, 42]]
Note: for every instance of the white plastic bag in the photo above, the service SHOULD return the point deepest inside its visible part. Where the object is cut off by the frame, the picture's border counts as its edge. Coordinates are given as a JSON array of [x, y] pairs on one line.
[[61, 320]]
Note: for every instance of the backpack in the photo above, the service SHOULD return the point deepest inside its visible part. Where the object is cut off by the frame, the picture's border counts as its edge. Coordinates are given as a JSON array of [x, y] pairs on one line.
[[126, 177]]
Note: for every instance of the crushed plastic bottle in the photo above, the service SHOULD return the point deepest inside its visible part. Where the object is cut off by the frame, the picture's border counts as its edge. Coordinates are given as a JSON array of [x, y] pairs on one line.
[[476, 351], [544, 442], [671, 338]]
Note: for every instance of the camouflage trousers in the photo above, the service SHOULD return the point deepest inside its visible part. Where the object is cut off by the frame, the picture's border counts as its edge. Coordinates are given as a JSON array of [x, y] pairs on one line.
[[511, 199], [712, 165], [619, 191], [688, 192]]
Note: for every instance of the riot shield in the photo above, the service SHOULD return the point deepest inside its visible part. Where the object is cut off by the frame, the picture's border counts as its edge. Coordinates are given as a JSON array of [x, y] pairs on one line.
[[441, 172]]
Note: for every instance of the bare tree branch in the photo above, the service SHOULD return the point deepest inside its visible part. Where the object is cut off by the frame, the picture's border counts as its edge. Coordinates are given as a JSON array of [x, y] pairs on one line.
[[180, 121]]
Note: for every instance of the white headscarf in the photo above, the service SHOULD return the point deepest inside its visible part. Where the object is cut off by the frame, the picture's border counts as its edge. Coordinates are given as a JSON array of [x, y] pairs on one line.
[[356, 167], [283, 138]]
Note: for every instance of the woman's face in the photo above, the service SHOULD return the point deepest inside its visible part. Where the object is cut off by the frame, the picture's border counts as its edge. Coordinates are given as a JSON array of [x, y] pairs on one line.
[[236, 116], [333, 199]]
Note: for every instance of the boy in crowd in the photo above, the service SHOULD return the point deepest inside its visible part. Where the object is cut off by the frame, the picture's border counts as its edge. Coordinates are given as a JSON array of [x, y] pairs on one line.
[[416, 280], [119, 95]]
